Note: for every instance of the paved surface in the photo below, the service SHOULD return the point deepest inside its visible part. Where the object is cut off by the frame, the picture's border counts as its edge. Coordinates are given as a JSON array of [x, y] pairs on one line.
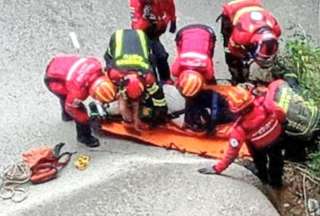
[[140, 185], [32, 31]]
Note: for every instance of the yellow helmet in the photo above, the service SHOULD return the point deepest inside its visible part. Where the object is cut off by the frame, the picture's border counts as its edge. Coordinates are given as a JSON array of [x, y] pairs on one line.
[[190, 83], [103, 90]]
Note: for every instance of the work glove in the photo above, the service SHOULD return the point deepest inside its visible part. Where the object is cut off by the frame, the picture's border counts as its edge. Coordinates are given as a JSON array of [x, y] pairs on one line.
[[97, 114], [207, 170], [173, 27], [97, 111], [93, 112]]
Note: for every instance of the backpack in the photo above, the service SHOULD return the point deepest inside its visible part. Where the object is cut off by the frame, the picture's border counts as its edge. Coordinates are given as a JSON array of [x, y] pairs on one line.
[[45, 162]]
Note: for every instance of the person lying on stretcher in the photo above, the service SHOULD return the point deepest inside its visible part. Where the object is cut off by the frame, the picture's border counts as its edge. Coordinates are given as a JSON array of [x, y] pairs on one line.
[[252, 119]]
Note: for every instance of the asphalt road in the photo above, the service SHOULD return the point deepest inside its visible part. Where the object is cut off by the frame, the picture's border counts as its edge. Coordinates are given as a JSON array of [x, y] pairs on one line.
[[32, 31]]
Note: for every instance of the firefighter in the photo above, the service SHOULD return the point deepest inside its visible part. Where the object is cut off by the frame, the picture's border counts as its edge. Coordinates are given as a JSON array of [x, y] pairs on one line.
[[302, 125], [193, 67], [141, 98], [72, 79], [153, 17], [251, 34], [260, 128]]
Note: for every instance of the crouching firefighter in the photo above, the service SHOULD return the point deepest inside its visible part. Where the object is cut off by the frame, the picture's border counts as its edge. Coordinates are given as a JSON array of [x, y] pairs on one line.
[[72, 79], [193, 68], [250, 33], [153, 17], [141, 99], [302, 128], [260, 126]]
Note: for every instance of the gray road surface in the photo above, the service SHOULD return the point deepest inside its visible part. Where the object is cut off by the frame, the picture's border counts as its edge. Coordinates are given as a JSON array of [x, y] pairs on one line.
[[117, 182]]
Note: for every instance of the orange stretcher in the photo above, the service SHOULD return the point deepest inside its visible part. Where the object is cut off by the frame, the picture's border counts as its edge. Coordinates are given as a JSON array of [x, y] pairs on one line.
[[171, 137]]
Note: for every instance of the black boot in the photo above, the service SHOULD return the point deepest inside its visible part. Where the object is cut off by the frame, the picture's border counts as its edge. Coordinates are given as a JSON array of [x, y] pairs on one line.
[[276, 164], [64, 115], [84, 136], [260, 161]]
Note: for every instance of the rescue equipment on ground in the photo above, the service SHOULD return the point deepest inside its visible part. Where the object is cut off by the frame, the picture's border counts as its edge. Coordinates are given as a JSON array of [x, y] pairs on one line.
[[45, 162], [13, 182], [39, 165], [82, 162]]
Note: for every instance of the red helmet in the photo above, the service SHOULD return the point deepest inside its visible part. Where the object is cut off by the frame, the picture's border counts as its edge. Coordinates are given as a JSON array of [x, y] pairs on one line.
[[133, 86], [115, 75], [265, 47], [103, 90], [190, 83]]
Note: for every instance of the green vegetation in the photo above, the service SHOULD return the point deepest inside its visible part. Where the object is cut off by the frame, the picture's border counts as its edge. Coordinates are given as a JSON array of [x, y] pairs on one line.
[[302, 56], [314, 164]]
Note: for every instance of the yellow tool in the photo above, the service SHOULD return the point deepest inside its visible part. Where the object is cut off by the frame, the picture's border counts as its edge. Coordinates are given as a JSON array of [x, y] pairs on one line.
[[82, 162]]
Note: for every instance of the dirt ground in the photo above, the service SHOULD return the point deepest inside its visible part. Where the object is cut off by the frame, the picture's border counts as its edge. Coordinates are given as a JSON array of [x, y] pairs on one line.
[[299, 190]]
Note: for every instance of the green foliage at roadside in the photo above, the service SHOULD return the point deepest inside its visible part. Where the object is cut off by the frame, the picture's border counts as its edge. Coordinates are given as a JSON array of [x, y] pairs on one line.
[[301, 55], [314, 164]]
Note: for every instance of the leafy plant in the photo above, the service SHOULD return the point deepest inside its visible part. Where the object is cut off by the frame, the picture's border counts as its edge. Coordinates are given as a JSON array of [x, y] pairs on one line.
[[314, 163], [301, 56]]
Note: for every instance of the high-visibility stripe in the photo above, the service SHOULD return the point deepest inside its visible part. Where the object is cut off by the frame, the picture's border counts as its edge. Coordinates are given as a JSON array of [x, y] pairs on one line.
[[153, 89], [129, 62], [235, 1], [194, 55], [107, 90], [235, 98], [125, 59], [194, 85], [74, 67], [143, 43], [186, 86], [291, 75], [119, 41], [281, 100], [284, 100], [111, 89], [244, 10], [159, 102], [190, 86], [101, 96]]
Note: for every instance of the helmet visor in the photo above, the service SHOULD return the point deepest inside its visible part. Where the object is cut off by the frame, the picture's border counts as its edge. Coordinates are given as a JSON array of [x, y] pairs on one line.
[[265, 52]]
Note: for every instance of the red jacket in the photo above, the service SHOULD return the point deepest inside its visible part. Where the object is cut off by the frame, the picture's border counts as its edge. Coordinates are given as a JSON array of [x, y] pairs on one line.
[[195, 48], [258, 129], [71, 76], [247, 17], [159, 12]]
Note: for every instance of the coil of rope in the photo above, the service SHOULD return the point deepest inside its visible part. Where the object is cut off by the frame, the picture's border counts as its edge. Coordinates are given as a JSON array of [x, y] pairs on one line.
[[13, 180]]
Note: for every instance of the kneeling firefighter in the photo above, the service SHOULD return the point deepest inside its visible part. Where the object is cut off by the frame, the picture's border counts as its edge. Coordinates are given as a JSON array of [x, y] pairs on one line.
[[72, 79], [260, 126], [141, 98], [193, 67]]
